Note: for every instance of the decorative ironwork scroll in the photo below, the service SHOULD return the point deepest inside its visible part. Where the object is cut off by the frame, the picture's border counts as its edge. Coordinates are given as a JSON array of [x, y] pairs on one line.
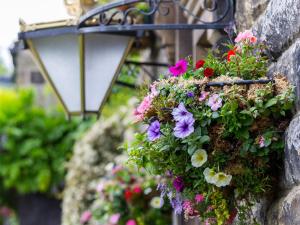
[[134, 15]]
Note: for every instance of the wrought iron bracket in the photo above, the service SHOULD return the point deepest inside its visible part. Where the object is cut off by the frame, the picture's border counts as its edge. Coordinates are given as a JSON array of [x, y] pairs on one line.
[[123, 16]]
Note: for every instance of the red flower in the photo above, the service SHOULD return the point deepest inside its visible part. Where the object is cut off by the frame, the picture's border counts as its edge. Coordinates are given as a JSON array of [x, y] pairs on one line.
[[231, 217], [137, 190], [200, 64], [208, 72], [128, 194], [229, 54]]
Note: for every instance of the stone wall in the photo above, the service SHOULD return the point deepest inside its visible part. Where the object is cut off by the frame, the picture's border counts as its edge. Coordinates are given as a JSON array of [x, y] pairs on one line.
[[277, 23]]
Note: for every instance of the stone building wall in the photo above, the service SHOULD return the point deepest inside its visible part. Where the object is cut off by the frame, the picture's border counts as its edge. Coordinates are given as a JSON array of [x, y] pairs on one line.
[[277, 23]]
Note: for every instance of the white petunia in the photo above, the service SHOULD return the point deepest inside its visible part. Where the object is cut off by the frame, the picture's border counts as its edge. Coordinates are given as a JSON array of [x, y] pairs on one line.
[[199, 158], [209, 175], [157, 202], [222, 179]]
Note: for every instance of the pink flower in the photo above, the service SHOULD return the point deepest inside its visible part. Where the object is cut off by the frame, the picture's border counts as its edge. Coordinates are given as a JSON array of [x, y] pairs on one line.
[[203, 96], [85, 217], [142, 108], [114, 219], [5, 212], [137, 190], [253, 40], [214, 102], [199, 198], [100, 188], [116, 169], [154, 92], [179, 68], [261, 141], [210, 221], [131, 222], [247, 35], [188, 207]]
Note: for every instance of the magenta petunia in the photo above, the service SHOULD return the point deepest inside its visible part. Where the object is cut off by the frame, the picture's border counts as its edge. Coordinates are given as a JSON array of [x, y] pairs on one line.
[[199, 198], [131, 222], [179, 68], [178, 184]]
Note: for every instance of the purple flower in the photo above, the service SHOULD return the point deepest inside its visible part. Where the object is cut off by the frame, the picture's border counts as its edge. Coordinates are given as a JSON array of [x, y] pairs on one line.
[[169, 173], [180, 113], [154, 131], [178, 184], [163, 189], [203, 96], [190, 94], [214, 102], [176, 203], [179, 68], [184, 127]]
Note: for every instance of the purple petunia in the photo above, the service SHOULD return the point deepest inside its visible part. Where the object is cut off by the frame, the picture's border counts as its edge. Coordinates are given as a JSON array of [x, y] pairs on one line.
[[180, 113], [214, 102], [184, 127], [178, 184], [190, 94], [154, 131]]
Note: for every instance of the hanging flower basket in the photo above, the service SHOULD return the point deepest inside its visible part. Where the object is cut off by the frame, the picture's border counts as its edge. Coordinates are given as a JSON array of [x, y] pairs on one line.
[[215, 132]]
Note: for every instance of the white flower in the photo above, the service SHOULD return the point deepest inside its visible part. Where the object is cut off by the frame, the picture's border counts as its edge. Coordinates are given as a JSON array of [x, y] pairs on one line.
[[199, 158], [209, 175], [157, 202], [222, 179], [148, 191]]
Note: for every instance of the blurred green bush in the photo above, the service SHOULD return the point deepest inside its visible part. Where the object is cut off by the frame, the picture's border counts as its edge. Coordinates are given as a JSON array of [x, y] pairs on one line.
[[34, 144]]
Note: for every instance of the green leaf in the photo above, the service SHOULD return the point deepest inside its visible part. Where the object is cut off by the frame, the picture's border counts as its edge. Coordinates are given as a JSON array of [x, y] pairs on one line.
[[192, 149], [204, 139], [271, 102]]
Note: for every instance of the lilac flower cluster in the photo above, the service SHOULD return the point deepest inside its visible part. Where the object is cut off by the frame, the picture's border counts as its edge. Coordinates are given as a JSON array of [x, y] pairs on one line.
[[175, 201], [184, 121]]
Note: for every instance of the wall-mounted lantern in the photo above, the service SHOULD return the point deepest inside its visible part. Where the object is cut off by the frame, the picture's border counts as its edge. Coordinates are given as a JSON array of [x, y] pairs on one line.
[[81, 60]]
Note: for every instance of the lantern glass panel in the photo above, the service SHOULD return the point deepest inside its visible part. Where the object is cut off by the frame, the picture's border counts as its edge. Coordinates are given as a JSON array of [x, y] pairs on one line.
[[60, 57], [104, 54]]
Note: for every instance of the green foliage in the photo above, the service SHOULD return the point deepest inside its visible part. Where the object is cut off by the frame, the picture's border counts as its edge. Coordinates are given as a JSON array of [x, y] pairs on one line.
[[35, 144]]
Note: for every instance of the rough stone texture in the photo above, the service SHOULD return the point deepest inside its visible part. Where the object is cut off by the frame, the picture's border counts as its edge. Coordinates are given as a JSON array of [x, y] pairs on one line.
[[292, 153], [289, 65], [279, 25], [247, 11], [286, 211], [91, 155]]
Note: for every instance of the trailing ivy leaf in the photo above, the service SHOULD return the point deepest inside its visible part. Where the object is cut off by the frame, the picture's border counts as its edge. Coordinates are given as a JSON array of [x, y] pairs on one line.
[[204, 139], [271, 102], [215, 115], [192, 149]]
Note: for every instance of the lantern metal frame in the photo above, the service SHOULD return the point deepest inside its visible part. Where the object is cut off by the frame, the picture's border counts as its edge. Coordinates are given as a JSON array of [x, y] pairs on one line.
[[119, 18]]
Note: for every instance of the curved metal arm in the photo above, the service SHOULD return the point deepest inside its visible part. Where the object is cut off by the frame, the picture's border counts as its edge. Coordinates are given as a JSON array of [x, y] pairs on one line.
[[118, 16]]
